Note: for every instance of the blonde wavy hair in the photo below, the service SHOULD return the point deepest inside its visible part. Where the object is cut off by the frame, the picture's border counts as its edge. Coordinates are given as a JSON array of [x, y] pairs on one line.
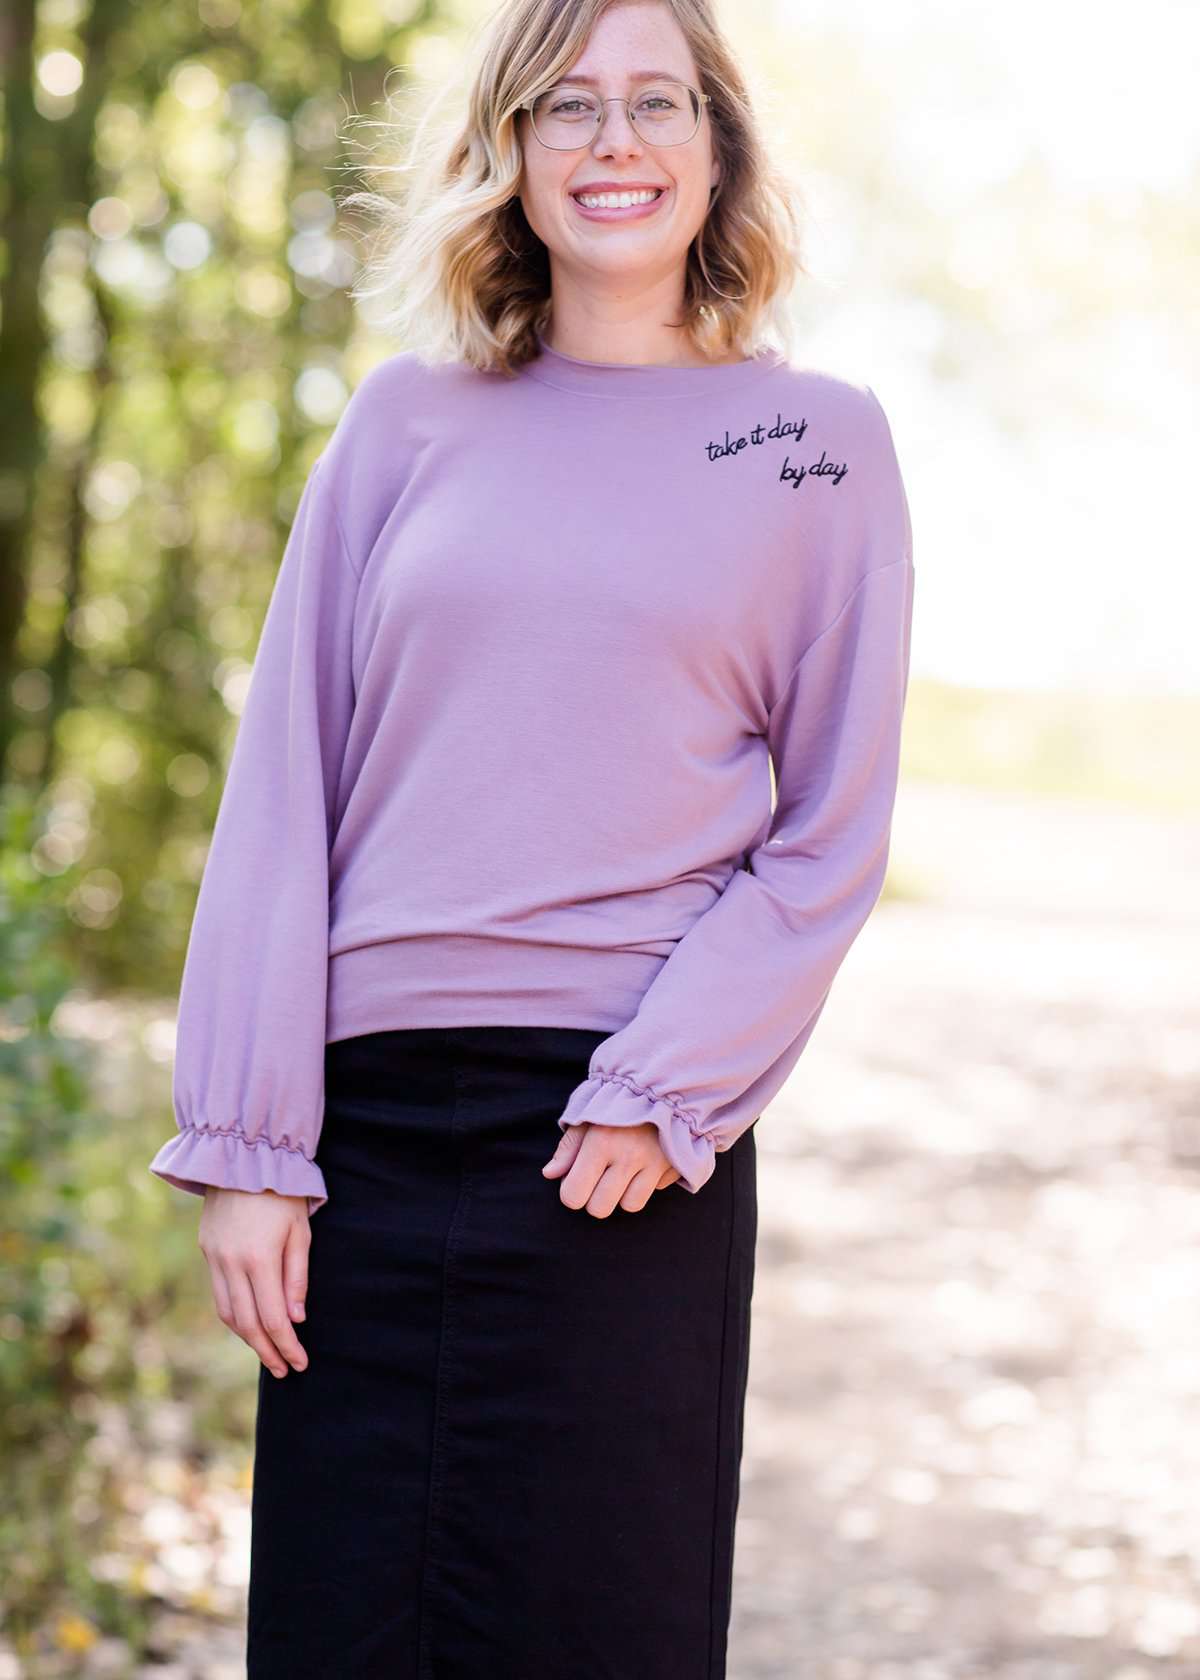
[[453, 269]]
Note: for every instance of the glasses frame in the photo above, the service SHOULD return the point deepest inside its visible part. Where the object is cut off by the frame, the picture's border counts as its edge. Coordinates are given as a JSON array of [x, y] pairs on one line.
[[702, 99]]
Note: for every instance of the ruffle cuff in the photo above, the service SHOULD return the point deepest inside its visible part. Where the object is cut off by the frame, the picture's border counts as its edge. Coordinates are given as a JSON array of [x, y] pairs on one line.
[[609, 1100], [196, 1158]]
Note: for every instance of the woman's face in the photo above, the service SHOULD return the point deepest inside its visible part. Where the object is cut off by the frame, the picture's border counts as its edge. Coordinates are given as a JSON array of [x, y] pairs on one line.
[[646, 243]]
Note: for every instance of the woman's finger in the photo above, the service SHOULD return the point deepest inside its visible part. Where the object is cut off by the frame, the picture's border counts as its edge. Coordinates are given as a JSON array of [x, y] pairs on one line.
[[266, 1280], [641, 1187], [220, 1289], [563, 1158], [295, 1267], [246, 1321], [608, 1189]]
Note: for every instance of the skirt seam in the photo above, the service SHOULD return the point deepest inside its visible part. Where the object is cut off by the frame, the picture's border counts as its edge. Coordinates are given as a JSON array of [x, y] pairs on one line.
[[721, 1387], [425, 1669]]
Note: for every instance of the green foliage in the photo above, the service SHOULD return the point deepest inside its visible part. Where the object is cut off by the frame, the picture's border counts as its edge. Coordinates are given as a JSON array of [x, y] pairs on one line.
[[176, 344], [46, 1317], [108, 1335], [43, 1077]]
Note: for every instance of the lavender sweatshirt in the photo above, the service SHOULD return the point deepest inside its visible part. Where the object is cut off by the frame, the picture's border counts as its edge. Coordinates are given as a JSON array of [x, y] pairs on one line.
[[537, 649]]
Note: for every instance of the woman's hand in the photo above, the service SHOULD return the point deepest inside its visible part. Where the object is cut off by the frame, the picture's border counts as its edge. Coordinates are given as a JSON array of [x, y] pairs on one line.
[[256, 1244], [610, 1166]]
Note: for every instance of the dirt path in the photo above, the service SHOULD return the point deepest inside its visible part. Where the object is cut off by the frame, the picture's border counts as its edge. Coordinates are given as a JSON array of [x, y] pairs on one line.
[[971, 1443]]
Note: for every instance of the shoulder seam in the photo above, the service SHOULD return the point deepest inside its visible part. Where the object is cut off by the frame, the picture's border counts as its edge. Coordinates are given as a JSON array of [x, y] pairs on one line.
[[876, 571], [319, 475]]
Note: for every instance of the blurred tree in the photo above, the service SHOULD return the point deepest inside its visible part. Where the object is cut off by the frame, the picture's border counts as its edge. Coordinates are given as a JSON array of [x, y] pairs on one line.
[[173, 332], [175, 341]]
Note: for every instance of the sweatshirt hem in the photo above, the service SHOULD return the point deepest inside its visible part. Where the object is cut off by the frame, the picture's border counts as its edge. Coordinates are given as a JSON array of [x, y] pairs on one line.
[[448, 980]]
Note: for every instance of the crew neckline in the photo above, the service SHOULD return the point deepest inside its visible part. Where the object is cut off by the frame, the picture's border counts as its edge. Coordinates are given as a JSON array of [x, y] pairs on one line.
[[641, 379]]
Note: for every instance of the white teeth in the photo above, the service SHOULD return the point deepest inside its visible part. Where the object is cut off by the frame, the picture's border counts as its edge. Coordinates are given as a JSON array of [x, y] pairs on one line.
[[615, 201]]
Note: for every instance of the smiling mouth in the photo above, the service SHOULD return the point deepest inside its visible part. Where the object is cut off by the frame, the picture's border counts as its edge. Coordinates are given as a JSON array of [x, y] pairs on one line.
[[639, 203]]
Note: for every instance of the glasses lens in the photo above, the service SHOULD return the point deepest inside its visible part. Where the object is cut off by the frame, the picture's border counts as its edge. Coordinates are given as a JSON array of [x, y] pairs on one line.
[[566, 116], [664, 114]]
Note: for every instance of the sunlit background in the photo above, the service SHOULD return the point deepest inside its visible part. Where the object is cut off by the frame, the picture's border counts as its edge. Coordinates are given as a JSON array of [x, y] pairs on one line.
[[970, 1451], [1013, 257]]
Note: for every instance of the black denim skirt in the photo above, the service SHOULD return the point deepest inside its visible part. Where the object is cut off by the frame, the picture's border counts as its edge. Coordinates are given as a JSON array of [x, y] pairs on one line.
[[515, 1452]]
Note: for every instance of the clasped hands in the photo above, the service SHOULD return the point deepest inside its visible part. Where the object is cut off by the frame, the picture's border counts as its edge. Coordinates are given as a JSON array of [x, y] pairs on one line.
[[605, 1167]]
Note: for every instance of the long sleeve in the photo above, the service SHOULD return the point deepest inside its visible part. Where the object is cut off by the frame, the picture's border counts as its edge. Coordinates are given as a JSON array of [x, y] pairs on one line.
[[250, 1042], [725, 1019]]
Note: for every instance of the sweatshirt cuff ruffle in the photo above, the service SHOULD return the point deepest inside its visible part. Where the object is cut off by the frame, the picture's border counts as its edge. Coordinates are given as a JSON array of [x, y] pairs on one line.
[[608, 1099], [196, 1158]]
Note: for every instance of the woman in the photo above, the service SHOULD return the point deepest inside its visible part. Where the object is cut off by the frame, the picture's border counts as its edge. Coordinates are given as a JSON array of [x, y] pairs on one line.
[[501, 950]]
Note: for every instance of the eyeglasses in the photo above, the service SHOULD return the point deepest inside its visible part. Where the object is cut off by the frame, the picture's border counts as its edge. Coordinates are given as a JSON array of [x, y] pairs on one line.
[[567, 118]]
